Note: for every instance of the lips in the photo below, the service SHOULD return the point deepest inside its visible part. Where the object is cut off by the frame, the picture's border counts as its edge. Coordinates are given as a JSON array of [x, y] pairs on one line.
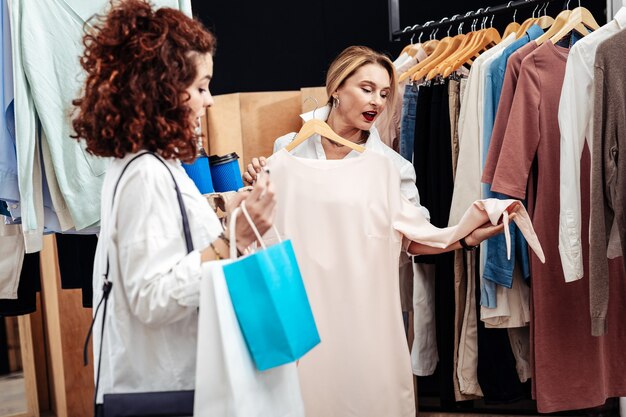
[[370, 115]]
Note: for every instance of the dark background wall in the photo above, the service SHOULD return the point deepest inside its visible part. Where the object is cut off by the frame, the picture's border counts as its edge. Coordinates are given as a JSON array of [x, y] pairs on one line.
[[274, 45]]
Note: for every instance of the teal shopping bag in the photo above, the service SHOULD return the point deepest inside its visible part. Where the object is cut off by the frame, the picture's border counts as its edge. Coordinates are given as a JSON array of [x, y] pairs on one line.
[[271, 303]]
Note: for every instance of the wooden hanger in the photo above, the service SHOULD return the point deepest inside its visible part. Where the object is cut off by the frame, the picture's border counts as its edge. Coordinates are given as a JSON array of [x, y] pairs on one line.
[[474, 42], [442, 50], [406, 49], [412, 51], [524, 27], [513, 26], [430, 46], [314, 126], [544, 21], [432, 69], [410, 45], [527, 23], [490, 37], [441, 47], [412, 48], [448, 61], [458, 42], [579, 16], [559, 22], [426, 47]]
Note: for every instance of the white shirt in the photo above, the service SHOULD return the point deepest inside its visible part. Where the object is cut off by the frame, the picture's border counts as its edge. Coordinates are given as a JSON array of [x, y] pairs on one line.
[[575, 124], [467, 186], [312, 149], [152, 318]]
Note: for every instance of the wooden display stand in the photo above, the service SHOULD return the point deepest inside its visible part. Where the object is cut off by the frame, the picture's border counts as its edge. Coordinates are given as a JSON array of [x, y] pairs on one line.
[[62, 328]]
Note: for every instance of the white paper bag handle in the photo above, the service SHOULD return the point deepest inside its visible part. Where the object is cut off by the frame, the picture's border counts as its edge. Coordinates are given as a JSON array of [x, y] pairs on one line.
[[233, 222]]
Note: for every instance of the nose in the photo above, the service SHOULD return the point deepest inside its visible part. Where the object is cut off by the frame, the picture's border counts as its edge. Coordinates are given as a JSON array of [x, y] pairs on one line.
[[377, 101], [208, 100]]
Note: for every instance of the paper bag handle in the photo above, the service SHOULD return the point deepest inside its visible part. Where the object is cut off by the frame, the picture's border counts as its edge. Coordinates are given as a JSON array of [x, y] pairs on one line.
[[233, 222]]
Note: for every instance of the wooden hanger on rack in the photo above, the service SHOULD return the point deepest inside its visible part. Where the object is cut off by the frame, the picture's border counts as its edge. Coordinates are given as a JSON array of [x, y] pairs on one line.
[[544, 21], [439, 50], [430, 46], [459, 42], [467, 40], [479, 40], [579, 16], [559, 22], [527, 23], [412, 48], [431, 71], [406, 49], [513, 26], [316, 126], [485, 39]]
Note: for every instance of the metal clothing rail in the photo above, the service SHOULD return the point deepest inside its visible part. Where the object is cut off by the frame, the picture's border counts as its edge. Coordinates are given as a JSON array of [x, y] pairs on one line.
[[480, 13]]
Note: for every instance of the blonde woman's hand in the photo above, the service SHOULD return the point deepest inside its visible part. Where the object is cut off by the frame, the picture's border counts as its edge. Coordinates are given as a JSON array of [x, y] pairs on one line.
[[261, 205], [485, 232], [253, 169]]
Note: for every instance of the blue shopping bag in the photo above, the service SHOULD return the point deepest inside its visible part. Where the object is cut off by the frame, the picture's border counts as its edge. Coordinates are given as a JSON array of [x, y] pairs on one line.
[[271, 303]]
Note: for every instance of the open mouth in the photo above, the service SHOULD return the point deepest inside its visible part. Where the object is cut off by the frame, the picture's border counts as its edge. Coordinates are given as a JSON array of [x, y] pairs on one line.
[[370, 115]]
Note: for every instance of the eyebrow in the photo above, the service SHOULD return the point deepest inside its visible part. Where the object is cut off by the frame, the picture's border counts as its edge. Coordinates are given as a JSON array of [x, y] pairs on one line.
[[207, 77], [373, 84]]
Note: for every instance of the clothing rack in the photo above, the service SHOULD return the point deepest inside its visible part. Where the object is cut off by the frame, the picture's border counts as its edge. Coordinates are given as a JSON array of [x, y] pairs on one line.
[[394, 16]]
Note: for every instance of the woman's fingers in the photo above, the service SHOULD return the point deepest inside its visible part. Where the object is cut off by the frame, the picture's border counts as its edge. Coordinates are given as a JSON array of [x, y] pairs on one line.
[[253, 169], [248, 178], [262, 209]]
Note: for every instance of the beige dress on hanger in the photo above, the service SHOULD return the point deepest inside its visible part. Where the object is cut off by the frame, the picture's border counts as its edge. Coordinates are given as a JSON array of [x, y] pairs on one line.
[[347, 226]]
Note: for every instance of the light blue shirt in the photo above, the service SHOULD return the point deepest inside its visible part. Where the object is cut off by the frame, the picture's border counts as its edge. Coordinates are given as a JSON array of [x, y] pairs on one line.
[[497, 267], [9, 190], [47, 43], [494, 79]]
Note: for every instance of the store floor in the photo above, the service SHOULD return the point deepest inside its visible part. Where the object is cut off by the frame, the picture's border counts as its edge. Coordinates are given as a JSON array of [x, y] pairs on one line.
[[12, 396]]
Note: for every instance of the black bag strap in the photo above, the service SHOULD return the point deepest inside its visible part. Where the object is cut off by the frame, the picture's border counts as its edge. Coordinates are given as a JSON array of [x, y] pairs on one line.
[[106, 287]]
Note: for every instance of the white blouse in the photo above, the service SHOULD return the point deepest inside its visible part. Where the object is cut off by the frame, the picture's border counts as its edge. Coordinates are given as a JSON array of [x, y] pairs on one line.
[[151, 323]]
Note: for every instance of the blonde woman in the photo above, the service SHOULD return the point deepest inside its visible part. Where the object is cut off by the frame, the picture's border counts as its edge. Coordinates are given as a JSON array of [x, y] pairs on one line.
[[360, 82]]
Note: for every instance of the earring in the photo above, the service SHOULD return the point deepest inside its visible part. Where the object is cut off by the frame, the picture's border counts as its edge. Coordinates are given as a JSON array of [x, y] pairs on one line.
[[335, 102]]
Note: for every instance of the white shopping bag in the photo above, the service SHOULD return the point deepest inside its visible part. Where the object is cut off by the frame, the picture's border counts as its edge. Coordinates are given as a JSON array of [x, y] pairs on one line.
[[227, 382]]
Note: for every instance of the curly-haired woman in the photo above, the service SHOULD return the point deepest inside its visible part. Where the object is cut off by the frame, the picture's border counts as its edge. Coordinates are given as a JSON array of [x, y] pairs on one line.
[[147, 84]]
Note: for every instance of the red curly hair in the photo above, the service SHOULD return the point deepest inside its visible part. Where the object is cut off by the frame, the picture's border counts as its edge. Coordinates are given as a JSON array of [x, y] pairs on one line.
[[139, 62]]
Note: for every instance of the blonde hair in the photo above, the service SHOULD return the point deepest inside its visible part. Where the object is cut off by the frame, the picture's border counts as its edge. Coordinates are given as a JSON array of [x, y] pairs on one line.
[[349, 61]]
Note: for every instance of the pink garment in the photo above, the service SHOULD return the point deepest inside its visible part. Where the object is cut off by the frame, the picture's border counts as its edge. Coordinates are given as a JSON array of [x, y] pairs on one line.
[[347, 225], [571, 368], [504, 108]]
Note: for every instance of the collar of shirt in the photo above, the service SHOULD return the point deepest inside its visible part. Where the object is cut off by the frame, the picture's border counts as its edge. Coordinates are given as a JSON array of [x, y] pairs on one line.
[[407, 64], [373, 142], [533, 33], [421, 55], [620, 18]]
